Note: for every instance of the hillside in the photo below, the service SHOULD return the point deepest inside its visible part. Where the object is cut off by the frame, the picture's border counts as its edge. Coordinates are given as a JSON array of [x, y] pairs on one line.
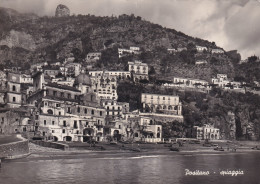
[[52, 38]]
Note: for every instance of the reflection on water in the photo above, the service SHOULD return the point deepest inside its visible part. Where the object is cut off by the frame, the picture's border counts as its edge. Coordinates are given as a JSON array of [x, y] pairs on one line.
[[132, 168]]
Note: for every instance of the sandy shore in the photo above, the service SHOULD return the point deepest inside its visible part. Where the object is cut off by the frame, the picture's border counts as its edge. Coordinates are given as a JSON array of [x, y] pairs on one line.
[[147, 149]]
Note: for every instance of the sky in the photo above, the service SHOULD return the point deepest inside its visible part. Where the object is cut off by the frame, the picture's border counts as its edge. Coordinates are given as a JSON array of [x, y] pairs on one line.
[[231, 24]]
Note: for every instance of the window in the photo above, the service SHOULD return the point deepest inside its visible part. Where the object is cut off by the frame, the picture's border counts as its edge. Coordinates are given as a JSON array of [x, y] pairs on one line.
[[69, 96], [86, 111], [44, 122], [54, 93], [63, 131], [14, 88], [75, 124], [92, 112], [68, 110], [14, 99], [59, 113], [49, 111], [53, 122], [119, 126], [47, 92], [53, 131], [64, 123], [57, 105], [78, 109]]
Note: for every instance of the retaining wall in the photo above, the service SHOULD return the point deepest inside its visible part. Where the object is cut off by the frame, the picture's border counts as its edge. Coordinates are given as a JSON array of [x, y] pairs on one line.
[[14, 150], [54, 145]]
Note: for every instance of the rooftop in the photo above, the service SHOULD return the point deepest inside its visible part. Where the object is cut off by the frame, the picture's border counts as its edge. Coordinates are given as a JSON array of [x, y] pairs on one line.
[[55, 85]]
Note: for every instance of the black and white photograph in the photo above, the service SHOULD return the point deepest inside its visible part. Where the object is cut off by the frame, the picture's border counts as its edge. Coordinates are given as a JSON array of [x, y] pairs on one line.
[[129, 92]]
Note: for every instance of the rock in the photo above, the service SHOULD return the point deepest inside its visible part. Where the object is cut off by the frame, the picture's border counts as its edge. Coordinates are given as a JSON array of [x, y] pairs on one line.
[[62, 11]]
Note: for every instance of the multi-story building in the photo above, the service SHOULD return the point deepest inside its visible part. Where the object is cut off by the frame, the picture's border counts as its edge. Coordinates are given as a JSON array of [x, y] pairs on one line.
[[205, 132], [189, 82], [15, 120], [14, 96], [117, 74], [65, 113], [71, 69], [105, 86], [132, 50], [139, 70], [115, 108], [163, 107]]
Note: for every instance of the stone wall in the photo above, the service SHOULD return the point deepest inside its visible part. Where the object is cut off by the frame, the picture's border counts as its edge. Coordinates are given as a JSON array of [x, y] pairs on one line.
[[52, 145], [14, 150]]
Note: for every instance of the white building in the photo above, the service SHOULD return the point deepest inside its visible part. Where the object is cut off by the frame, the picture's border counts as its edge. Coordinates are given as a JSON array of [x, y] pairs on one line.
[[93, 56], [217, 51], [205, 132], [117, 74], [139, 70], [164, 108], [105, 86], [133, 50], [189, 82], [201, 48]]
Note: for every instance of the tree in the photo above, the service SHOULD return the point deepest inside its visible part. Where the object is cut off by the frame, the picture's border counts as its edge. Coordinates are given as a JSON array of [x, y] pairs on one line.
[[152, 71], [252, 59]]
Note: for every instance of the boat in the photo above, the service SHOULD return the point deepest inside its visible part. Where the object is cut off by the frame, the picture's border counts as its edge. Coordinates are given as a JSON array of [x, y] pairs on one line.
[[174, 149], [219, 149], [136, 149], [113, 142]]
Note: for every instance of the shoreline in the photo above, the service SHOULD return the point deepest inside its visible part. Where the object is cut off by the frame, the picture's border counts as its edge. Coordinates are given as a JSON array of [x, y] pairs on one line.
[[86, 151]]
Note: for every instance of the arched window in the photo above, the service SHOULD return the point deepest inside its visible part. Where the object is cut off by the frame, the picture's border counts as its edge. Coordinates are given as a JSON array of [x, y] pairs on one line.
[[49, 111], [14, 88]]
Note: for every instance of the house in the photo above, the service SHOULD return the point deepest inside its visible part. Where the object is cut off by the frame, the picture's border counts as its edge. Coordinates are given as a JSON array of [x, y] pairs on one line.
[[52, 72], [114, 108], [38, 66], [71, 69], [15, 120], [161, 107], [139, 70], [105, 86], [117, 74], [133, 50], [217, 51], [65, 113], [172, 51], [200, 62], [189, 82], [206, 132], [93, 56], [201, 48]]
